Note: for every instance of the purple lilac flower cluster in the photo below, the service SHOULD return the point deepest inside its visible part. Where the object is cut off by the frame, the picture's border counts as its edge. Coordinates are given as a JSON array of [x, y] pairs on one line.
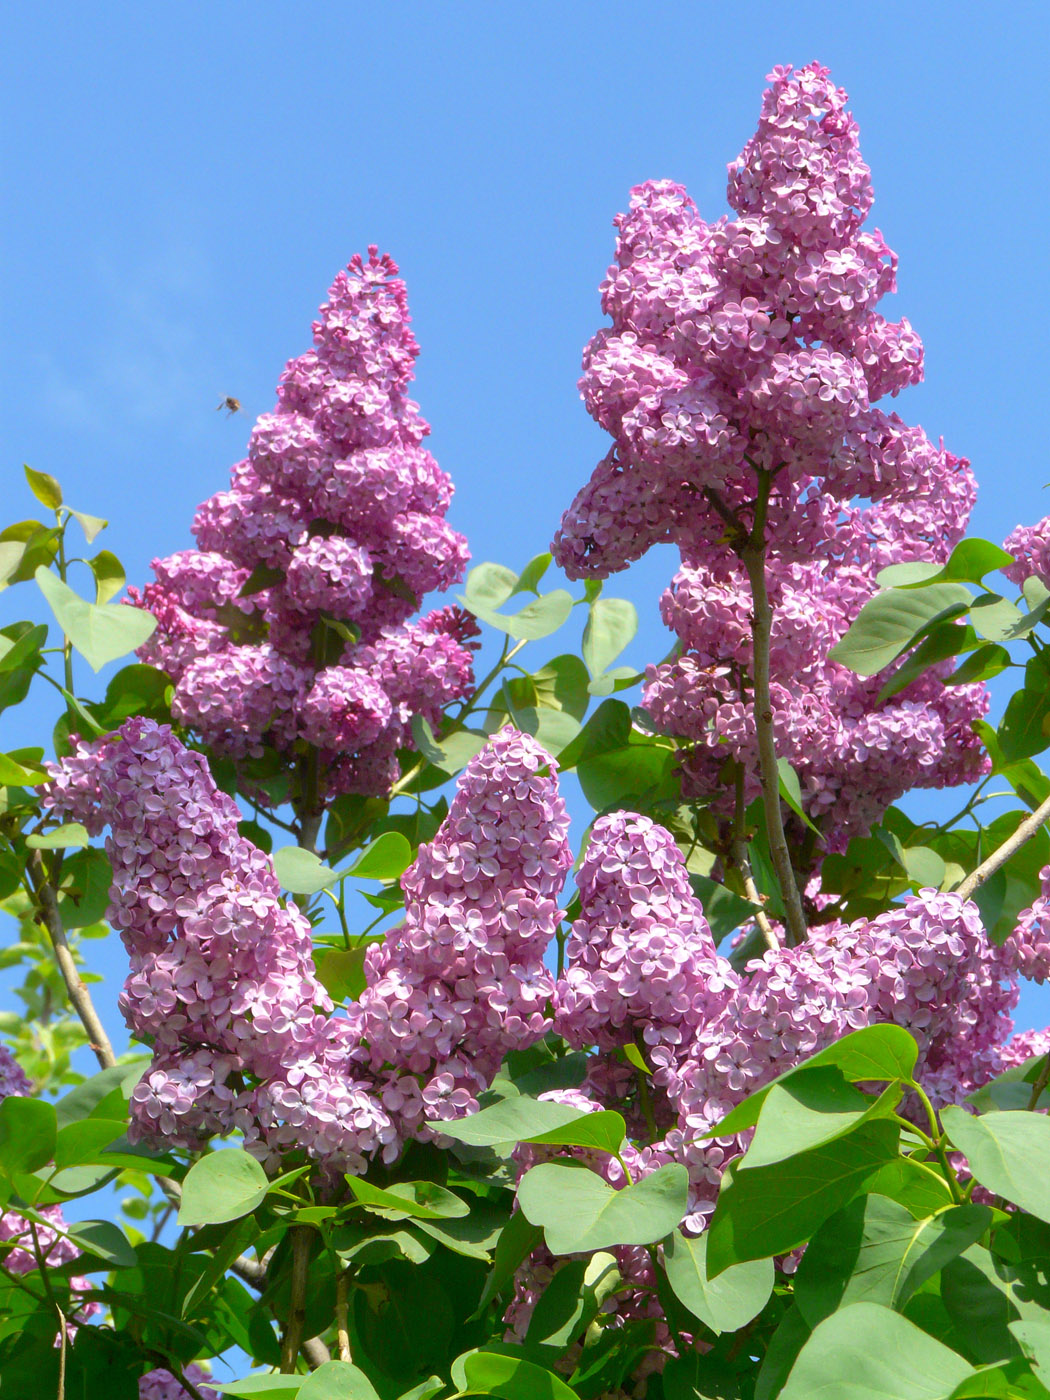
[[162, 1385], [222, 985], [750, 347], [332, 528]]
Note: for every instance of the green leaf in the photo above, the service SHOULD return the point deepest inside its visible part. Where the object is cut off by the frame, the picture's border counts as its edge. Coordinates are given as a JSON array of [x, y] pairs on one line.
[[892, 621], [513, 1378], [91, 525], [338, 1380], [726, 1303], [636, 771], [771, 1210], [222, 1186], [786, 1343], [86, 1098], [562, 685], [985, 663], [104, 1239], [535, 620], [28, 1128], [1024, 729], [724, 910], [996, 618], [912, 1184], [109, 575], [579, 1211], [402, 1200], [302, 871], [791, 792], [968, 562], [425, 1390], [571, 1300], [59, 838], [451, 753], [81, 1142], [44, 487], [1034, 1336], [604, 1130], [518, 1238], [532, 573], [15, 774], [945, 640], [611, 626], [474, 1235], [385, 858], [555, 729], [100, 633], [510, 1121], [875, 1251], [341, 971], [813, 1107], [1007, 1153], [22, 648], [866, 1352], [261, 1385], [878, 1053], [490, 585], [634, 1056]]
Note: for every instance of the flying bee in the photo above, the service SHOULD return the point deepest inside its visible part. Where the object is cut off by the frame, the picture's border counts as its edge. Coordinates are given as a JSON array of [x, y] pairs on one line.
[[230, 404]]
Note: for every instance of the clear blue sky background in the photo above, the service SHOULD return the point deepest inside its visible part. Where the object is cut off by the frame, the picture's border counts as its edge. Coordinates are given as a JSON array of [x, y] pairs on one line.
[[182, 183]]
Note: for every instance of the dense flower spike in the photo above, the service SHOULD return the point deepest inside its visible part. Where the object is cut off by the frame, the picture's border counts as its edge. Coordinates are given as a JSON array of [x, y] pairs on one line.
[[1030, 546], [641, 965], [221, 981], [335, 521], [462, 982], [750, 348], [926, 965], [854, 755]]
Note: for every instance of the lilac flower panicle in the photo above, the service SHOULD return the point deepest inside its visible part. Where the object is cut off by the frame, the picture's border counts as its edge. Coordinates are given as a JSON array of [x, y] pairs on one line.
[[342, 509], [754, 343]]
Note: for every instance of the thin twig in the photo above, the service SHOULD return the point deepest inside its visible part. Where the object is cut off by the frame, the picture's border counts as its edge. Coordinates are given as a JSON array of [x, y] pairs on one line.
[[48, 915], [1025, 831], [293, 1331], [752, 555], [316, 1352], [341, 1310], [743, 864]]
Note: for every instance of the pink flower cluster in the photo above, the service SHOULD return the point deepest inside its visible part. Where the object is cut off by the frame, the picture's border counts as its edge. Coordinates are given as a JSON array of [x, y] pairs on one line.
[[162, 1385], [333, 527], [854, 755], [641, 966], [753, 345], [222, 985], [462, 982], [1030, 546]]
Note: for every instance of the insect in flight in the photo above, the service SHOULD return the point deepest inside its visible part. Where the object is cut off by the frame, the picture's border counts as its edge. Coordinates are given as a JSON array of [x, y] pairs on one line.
[[230, 404]]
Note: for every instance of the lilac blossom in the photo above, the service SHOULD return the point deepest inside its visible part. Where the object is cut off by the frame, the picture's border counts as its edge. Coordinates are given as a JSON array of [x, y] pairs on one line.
[[335, 521]]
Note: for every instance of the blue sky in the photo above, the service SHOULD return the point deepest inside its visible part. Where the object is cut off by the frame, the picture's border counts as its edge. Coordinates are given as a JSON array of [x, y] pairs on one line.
[[182, 183]]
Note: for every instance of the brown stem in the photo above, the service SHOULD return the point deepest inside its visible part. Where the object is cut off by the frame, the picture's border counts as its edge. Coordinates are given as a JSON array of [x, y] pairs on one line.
[[316, 1352], [987, 868], [293, 1332], [49, 917], [753, 557], [341, 1311], [743, 864]]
